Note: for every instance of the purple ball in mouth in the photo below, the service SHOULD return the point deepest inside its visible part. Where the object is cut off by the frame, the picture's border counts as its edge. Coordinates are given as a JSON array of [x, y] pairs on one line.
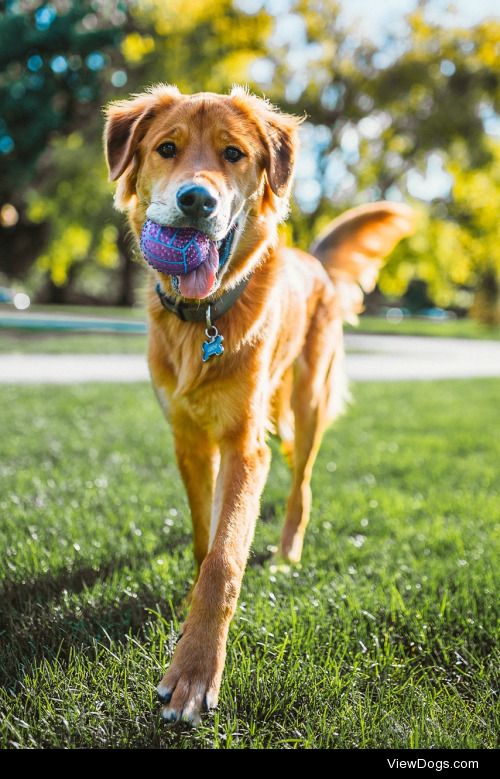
[[174, 250]]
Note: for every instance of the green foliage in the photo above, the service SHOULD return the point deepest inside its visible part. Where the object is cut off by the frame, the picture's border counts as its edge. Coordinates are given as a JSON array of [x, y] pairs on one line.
[[383, 121], [457, 250], [384, 636], [51, 65], [55, 62], [84, 238], [377, 117], [203, 46], [476, 194]]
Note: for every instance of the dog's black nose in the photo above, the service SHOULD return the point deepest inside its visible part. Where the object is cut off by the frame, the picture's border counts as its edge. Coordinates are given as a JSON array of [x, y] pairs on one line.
[[195, 200]]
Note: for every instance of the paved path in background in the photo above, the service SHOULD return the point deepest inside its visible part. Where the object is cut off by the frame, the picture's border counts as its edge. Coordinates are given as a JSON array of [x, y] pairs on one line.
[[370, 357], [393, 357], [72, 368]]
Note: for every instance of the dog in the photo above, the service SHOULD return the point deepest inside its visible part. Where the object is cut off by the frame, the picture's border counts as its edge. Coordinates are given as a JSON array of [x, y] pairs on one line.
[[223, 165]]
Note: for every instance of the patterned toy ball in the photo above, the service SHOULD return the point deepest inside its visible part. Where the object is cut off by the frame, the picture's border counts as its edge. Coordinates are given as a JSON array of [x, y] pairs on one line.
[[174, 250]]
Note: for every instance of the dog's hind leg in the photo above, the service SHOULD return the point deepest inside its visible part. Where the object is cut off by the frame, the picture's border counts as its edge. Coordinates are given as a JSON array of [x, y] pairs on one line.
[[308, 434], [312, 407], [282, 418]]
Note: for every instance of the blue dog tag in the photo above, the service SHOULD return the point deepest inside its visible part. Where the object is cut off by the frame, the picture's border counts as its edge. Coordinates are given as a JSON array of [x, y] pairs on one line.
[[213, 347]]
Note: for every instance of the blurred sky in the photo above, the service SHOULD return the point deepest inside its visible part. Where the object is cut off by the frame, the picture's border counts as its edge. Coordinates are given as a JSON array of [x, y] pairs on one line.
[[377, 19], [383, 22], [374, 17]]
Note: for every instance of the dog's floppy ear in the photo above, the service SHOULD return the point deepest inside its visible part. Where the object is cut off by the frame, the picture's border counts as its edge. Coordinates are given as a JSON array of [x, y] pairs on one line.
[[126, 124], [281, 131], [278, 132]]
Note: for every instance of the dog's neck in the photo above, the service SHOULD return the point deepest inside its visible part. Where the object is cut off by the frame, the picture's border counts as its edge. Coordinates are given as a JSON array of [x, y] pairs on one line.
[[253, 257], [241, 325]]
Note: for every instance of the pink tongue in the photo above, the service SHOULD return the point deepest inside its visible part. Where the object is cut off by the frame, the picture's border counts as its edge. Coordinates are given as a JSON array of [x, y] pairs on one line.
[[199, 282]]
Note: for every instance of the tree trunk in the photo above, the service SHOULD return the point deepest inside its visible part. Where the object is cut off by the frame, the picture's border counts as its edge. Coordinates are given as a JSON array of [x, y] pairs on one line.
[[126, 296], [486, 306]]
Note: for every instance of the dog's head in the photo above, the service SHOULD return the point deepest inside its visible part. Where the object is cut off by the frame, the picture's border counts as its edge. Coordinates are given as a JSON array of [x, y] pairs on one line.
[[207, 161]]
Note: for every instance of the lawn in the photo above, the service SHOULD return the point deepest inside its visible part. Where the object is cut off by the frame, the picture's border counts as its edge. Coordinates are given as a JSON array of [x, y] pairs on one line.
[[33, 342], [30, 341], [448, 328], [384, 636], [60, 342]]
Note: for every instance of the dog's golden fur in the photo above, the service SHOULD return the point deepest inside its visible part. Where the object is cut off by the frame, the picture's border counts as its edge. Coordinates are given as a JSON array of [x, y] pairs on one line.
[[282, 369]]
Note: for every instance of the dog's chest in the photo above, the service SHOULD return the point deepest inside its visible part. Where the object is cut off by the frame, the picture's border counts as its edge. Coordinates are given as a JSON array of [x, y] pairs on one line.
[[217, 397]]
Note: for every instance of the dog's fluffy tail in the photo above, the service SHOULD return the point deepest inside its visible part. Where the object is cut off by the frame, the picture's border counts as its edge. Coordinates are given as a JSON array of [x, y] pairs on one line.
[[353, 247]]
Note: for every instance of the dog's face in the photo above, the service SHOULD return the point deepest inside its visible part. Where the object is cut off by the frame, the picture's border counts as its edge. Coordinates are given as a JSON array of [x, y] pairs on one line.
[[205, 161], [200, 166]]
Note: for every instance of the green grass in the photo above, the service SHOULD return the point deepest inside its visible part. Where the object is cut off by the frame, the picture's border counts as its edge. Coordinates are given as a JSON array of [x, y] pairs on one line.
[[30, 342], [60, 342], [452, 328], [384, 636]]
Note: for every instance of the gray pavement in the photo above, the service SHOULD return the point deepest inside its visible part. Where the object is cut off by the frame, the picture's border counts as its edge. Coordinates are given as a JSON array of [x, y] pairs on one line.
[[370, 357], [393, 358]]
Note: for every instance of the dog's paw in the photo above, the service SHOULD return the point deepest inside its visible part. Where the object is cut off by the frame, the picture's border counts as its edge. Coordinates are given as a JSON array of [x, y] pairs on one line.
[[290, 550], [191, 684]]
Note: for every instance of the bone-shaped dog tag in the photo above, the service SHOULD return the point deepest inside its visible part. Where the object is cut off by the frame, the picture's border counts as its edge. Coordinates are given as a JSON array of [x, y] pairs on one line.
[[213, 346]]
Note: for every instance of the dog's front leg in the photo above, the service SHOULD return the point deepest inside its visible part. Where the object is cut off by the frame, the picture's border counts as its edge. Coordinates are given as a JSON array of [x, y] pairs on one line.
[[198, 461], [193, 680]]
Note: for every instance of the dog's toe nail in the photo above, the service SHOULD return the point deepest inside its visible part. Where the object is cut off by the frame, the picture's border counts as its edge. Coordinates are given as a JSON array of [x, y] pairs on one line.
[[209, 702], [164, 694], [191, 717], [170, 715]]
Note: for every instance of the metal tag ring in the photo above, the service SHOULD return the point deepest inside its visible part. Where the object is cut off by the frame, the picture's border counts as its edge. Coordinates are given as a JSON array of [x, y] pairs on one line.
[[212, 334]]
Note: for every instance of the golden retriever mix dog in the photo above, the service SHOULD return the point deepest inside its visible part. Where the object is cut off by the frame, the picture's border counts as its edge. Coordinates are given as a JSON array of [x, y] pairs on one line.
[[221, 166]]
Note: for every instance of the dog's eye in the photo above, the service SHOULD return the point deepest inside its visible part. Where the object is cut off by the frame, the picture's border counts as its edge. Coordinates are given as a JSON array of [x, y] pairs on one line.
[[232, 154], [167, 150]]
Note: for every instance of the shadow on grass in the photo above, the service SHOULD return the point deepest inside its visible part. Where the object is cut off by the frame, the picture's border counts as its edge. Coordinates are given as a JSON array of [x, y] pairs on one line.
[[35, 625], [258, 559], [268, 512], [38, 623], [22, 595]]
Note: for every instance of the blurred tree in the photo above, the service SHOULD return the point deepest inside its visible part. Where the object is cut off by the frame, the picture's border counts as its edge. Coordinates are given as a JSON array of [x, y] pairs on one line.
[[88, 257], [61, 191], [388, 121], [391, 120], [456, 247], [474, 207], [441, 95], [51, 64], [52, 60]]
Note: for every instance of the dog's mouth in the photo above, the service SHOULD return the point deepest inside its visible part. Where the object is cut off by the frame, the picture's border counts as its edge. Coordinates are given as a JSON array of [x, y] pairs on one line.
[[204, 280]]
